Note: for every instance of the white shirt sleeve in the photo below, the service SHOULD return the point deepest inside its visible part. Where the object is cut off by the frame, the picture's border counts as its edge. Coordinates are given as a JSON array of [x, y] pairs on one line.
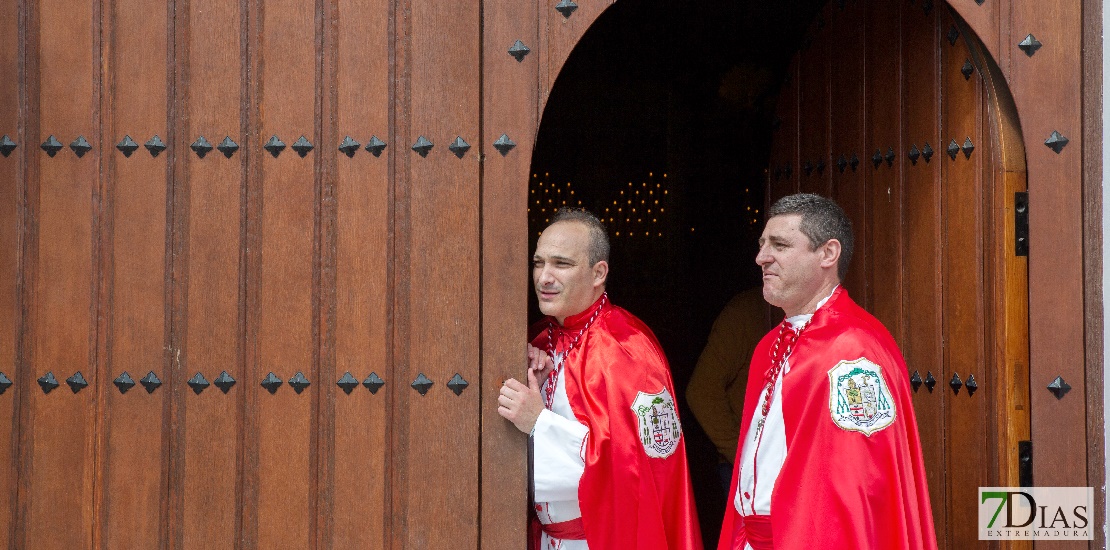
[[558, 459]]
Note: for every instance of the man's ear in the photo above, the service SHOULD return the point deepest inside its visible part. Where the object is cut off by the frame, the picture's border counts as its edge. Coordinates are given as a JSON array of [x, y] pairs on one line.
[[830, 253], [601, 273]]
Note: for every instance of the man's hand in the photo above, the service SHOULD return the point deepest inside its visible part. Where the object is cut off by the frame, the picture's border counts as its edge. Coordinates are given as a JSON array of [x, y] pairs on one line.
[[521, 404], [540, 363]]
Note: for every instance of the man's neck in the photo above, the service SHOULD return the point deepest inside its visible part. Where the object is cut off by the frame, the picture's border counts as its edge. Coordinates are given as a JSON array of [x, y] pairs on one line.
[[811, 306]]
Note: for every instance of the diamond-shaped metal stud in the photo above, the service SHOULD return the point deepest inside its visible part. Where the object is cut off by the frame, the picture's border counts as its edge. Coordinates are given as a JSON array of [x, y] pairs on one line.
[[915, 381], [518, 50], [375, 146], [373, 382], [7, 145], [127, 146], [967, 69], [927, 151], [155, 145], [349, 147], [1030, 45], [51, 146], [47, 382], [1056, 142], [80, 146], [1059, 388], [274, 146], [841, 163], [980, 2], [820, 167], [889, 156], [302, 146], [228, 147], [877, 158], [271, 383], [457, 384], [299, 382], [5, 383], [150, 382], [201, 147], [807, 167], [504, 144], [459, 147], [422, 384], [953, 35], [224, 381], [77, 382], [953, 149], [971, 384], [956, 383], [854, 162], [914, 154], [422, 146], [789, 170], [968, 147], [930, 382], [198, 383], [124, 382], [348, 383], [566, 7]]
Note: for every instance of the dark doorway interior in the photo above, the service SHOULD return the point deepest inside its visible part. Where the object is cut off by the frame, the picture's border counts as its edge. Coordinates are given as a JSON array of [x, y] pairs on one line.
[[667, 109]]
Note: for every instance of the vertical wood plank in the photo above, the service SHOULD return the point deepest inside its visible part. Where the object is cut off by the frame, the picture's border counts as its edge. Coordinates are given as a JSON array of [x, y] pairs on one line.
[[1049, 99], [510, 108], [357, 456], [964, 292], [847, 115], [11, 176], [208, 300], [884, 62], [284, 286], [813, 111], [134, 274], [62, 294], [437, 275], [923, 320]]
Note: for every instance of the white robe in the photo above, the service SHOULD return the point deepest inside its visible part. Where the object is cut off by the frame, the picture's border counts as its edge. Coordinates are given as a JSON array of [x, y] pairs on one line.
[[558, 460]]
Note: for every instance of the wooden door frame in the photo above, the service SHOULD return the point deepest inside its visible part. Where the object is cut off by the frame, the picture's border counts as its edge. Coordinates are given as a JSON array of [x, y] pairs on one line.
[[1058, 88]]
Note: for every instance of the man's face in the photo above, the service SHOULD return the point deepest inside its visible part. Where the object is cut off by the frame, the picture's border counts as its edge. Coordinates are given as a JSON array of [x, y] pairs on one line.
[[566, 284], [792, 272]]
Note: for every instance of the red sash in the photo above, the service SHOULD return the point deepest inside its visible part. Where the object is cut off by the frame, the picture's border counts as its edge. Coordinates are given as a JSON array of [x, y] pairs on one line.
[[565, 530], [757, 530]]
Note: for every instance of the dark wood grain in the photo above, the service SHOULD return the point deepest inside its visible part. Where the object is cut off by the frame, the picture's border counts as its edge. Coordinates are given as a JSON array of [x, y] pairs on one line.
[[503, 474], [813, 112], [208, 224], [10, 317]]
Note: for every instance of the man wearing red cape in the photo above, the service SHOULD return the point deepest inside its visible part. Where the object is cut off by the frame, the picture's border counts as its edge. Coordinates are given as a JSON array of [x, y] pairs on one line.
[[609, 461], [829, 455]]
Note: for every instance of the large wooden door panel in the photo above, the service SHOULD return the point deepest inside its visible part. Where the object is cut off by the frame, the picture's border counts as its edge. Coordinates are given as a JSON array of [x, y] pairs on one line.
[[11, 190]]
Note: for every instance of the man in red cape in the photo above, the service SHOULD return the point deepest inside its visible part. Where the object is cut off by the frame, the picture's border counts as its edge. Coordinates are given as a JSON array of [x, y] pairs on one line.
[[609, 460], [829, 455]]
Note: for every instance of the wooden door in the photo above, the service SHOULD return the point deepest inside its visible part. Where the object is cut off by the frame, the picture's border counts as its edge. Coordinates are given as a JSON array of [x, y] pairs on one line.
[[242, 275], [893, 109]]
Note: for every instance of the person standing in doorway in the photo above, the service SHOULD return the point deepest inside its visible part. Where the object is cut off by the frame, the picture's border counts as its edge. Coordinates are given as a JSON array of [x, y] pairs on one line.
[[609, 460], [829, 454]]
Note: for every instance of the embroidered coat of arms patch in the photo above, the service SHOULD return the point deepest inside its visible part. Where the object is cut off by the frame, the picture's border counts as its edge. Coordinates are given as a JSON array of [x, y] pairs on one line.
[[859, 399], [659, 427]]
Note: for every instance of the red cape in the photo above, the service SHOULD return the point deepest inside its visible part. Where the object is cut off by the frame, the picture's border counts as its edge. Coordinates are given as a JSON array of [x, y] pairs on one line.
[[839, 488], [628, 499]]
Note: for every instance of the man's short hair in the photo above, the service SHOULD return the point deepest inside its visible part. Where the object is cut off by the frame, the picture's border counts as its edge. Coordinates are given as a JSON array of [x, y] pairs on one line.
[[822, 220], [599, 238]]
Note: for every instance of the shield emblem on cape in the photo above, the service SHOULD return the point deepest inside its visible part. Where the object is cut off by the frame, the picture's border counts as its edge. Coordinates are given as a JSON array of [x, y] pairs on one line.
[[859, 398], [657, 423]]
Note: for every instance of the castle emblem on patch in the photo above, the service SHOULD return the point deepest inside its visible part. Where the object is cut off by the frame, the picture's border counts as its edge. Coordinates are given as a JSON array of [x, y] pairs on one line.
[[859, 398], [659, 427]]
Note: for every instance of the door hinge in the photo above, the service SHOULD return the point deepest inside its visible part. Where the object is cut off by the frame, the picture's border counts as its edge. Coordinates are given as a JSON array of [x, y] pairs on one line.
[[1021, 223]]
